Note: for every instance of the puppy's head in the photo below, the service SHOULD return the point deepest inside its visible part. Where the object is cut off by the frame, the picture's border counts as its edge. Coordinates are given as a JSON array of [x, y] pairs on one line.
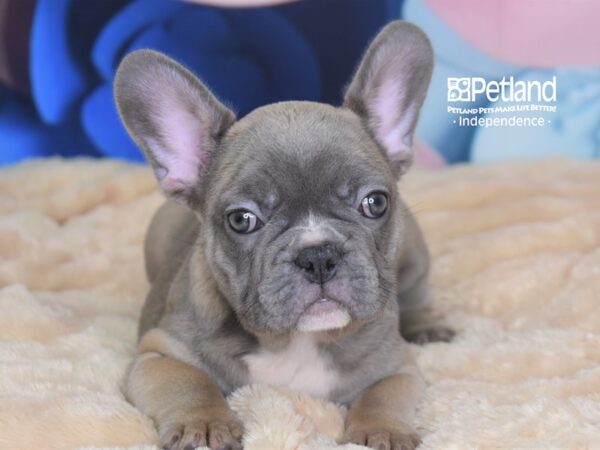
[[300, 216]]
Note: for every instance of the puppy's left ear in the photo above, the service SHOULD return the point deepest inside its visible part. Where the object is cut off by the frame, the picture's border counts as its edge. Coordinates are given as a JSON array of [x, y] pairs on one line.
[[173, 117], [389, 88]]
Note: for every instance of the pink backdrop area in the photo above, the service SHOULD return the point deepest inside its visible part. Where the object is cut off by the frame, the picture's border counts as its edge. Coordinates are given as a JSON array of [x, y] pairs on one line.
[[534, 33]]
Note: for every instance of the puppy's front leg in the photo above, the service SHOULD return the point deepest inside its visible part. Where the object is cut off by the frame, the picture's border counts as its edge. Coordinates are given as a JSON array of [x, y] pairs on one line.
[[381, 417], [188, 408]]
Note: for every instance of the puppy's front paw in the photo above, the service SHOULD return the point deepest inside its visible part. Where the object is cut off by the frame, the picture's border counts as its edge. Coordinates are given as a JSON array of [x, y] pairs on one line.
[[223, 433], [382, 437]]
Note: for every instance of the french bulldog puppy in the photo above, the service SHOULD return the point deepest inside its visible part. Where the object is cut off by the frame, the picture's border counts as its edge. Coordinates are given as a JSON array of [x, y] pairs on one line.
[[284, 254]]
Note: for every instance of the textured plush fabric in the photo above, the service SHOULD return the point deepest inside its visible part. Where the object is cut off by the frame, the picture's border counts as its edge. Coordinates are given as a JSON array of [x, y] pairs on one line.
[[516, 268]]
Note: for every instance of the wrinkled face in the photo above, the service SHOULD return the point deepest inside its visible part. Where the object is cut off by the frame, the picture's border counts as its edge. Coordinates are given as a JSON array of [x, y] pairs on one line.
[[300, 221]]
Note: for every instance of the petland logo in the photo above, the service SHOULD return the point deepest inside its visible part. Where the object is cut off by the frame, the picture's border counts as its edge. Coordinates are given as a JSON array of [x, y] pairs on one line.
[[504, 103], [470, 89]]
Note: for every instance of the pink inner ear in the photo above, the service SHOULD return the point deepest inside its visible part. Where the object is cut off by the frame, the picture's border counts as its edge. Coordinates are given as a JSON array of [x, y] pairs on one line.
[[393, 125], [181, 150]]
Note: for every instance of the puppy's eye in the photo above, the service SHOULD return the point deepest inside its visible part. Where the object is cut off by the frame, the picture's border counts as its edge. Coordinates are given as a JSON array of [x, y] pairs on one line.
[[374, 205], [243, 221]]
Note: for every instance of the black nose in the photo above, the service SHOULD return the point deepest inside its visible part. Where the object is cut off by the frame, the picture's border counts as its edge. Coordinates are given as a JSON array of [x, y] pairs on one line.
[[319, 263]]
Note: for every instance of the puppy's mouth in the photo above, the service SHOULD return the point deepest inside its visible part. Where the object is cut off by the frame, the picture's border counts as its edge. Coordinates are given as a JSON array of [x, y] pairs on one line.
[[323, 314]]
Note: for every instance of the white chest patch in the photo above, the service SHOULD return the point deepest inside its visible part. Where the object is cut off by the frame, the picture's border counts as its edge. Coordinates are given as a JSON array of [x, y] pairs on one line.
[[299, 367]]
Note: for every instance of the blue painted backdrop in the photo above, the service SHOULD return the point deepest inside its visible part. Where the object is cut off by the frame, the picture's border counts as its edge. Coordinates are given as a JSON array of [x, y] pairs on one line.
[[302, 51]]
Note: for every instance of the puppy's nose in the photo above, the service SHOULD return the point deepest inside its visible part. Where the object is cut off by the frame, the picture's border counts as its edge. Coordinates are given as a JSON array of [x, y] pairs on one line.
[[319, 263]]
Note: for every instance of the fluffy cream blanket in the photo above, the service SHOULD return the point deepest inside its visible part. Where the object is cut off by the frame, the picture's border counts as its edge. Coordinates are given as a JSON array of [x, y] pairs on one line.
[[517, 270]]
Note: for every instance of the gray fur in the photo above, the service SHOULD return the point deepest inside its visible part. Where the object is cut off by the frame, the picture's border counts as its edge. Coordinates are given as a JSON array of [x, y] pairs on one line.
[[225, 295]]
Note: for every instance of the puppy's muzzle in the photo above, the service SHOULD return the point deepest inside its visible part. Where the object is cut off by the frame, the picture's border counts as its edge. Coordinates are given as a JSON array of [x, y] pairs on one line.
[[319, 263]]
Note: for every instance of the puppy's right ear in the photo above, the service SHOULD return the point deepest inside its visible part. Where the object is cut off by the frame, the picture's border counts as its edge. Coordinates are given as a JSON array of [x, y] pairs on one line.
[[173, 117], [389, 88]]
